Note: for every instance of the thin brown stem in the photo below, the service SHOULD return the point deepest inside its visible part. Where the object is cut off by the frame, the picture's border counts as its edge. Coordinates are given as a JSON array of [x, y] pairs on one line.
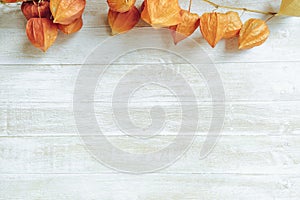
[[270, 18], [190, 5], [237, 8]]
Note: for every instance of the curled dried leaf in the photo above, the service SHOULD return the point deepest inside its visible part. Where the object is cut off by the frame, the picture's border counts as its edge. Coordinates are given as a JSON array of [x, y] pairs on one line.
[[253, 33], [71, 28], [120, 5], [123, 22], [290, 7], [36, 9], [66, 11], [161, 13], [41, 32], [213, 27], [234, 25], [189, 23]]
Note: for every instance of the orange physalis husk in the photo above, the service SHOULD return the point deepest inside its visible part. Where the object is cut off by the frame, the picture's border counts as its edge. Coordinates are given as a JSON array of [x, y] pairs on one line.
[[189, 23], [66, 11], [213, 27], [120, 5], [161, 13], [35, 9], [234, 25], [41, 32], [145, 15], [253, 33], [71, 28], [123, 22]]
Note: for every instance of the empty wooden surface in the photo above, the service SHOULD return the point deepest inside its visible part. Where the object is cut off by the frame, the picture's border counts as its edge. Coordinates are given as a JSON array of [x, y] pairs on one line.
[[256, 157]]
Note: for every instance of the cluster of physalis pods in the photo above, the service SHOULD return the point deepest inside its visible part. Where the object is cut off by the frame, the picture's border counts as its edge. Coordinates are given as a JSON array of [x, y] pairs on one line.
[[123, 15], [47, 17]]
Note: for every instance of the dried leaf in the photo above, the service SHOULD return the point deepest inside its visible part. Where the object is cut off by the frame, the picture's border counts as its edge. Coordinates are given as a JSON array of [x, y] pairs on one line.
[[186, 27], [253, 33], [71, 28], [213, 27], [234, 25], [120, 5], [36, 9], [123, 22], [290, 8], [162, 13], [66, 11], [41, 32]]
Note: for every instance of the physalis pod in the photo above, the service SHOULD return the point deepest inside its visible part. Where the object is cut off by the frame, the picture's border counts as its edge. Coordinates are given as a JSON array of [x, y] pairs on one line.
[[161, 13], [41, 32], [234, 25], [213, 27], [189, 23], [66, 11], [71, 28], [145, 15], [253, 33], [123, 22], [36, 9], [120, 5]]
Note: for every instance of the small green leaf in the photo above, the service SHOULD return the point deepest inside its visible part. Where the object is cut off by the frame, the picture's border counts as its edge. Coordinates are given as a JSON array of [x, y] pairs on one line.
[[290, 8]]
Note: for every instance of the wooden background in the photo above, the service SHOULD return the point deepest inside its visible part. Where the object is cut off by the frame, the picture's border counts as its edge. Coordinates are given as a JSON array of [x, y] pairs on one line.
[[42, 156]]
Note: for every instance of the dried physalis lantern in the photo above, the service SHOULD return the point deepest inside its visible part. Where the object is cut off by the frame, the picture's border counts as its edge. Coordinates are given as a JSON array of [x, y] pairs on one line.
[[41, 32], [145, 15], [71, 28], [213, 27], [161, 13], [123, 22], [36, 9], [186, 27], [253, 33], [234, 25], [66, 11], [120, 5]]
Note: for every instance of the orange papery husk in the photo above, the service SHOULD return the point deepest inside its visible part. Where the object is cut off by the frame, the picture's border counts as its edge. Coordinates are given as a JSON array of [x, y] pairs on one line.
[[120, 5], [41, 32], [234, 25], [213, 27], [71, 28], [188, 25], [253, 33], [144, 14], [161, 13], [123, 22], [66, 11], [35, 9]]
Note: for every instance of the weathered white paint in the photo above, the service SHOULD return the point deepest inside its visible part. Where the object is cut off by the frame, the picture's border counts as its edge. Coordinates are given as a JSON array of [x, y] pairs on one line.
[[42, 156]]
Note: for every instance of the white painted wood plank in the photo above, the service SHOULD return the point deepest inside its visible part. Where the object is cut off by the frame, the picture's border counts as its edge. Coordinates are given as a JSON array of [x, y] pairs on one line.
[[232, 154], [52, 119], [242, 82], [149, 187], [257, 157]]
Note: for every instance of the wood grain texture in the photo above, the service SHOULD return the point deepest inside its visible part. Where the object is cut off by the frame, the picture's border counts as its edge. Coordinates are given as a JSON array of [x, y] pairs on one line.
[[233, 155], [149, 187], [257, 156]]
